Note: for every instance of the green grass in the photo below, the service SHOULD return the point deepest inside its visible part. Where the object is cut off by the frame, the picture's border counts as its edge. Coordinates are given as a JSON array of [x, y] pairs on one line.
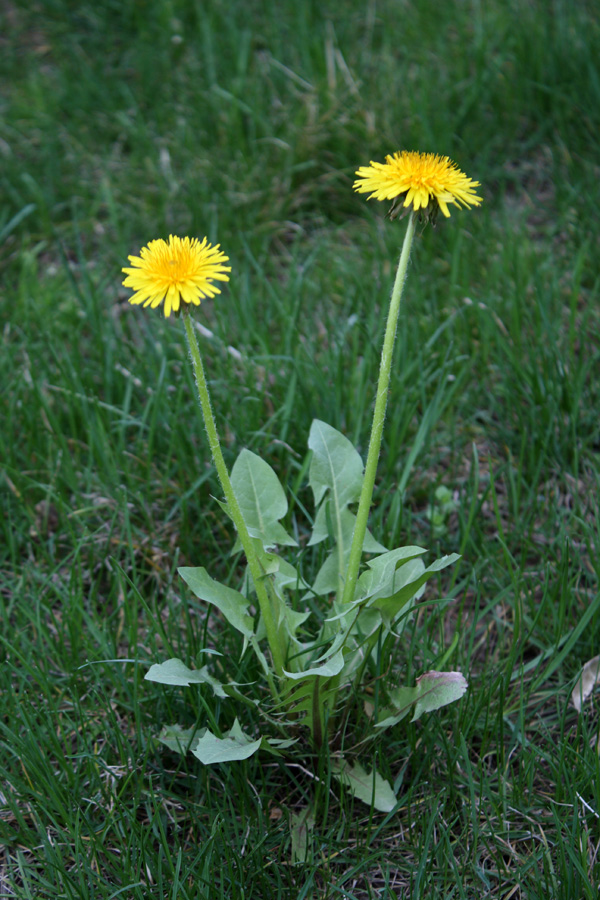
[[122, 122]]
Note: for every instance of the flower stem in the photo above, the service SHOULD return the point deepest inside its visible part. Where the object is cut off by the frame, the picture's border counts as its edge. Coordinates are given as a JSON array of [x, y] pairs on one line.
[[233, 506], [385, 367]]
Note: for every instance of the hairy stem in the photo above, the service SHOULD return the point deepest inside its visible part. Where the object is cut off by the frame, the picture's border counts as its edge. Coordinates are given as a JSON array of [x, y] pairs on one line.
[[385, 367], [235, 512]]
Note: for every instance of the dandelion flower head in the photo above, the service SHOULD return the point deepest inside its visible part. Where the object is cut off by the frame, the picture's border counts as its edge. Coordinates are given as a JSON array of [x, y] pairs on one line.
[[182, 269], [428, 181]]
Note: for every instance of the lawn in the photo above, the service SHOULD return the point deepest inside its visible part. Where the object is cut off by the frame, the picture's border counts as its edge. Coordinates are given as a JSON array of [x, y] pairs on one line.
[[122, 122]]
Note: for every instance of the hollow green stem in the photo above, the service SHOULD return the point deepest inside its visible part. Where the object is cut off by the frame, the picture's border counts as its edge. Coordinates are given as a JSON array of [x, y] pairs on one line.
[[256, 571], [385, 367]]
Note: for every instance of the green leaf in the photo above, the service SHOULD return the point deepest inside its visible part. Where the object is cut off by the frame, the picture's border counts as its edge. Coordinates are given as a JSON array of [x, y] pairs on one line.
[[370, 788], [275, 745], [437, 689], [234, 745], [327, 580], [381, 572], [408, 584], [284, 573], [335, 464], [282, 576], [302, 825], [432, 691], [336, 470], [261, 498], [367, 623], [175, 672], [299, 695], [332, 648], [333, 666], [177, 738], [293, 620], [323, 528], [232, 604], [412, 577], [285, 577], [392, 719]]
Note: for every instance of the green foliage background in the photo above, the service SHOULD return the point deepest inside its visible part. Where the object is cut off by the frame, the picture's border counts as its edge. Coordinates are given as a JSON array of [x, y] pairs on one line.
[[122, 122]]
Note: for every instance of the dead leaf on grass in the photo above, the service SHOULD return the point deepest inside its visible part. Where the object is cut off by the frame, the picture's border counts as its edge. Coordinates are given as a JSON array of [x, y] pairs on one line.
[[589, 678]]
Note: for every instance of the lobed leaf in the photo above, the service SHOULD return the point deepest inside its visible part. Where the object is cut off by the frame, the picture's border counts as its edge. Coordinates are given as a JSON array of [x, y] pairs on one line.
[[234, 745], [328, 669], [175, 672], [177, 738], [298, 696]]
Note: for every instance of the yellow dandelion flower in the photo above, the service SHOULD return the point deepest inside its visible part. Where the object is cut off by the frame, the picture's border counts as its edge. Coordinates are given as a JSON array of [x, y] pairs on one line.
[[182, 269], [430, 182]]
